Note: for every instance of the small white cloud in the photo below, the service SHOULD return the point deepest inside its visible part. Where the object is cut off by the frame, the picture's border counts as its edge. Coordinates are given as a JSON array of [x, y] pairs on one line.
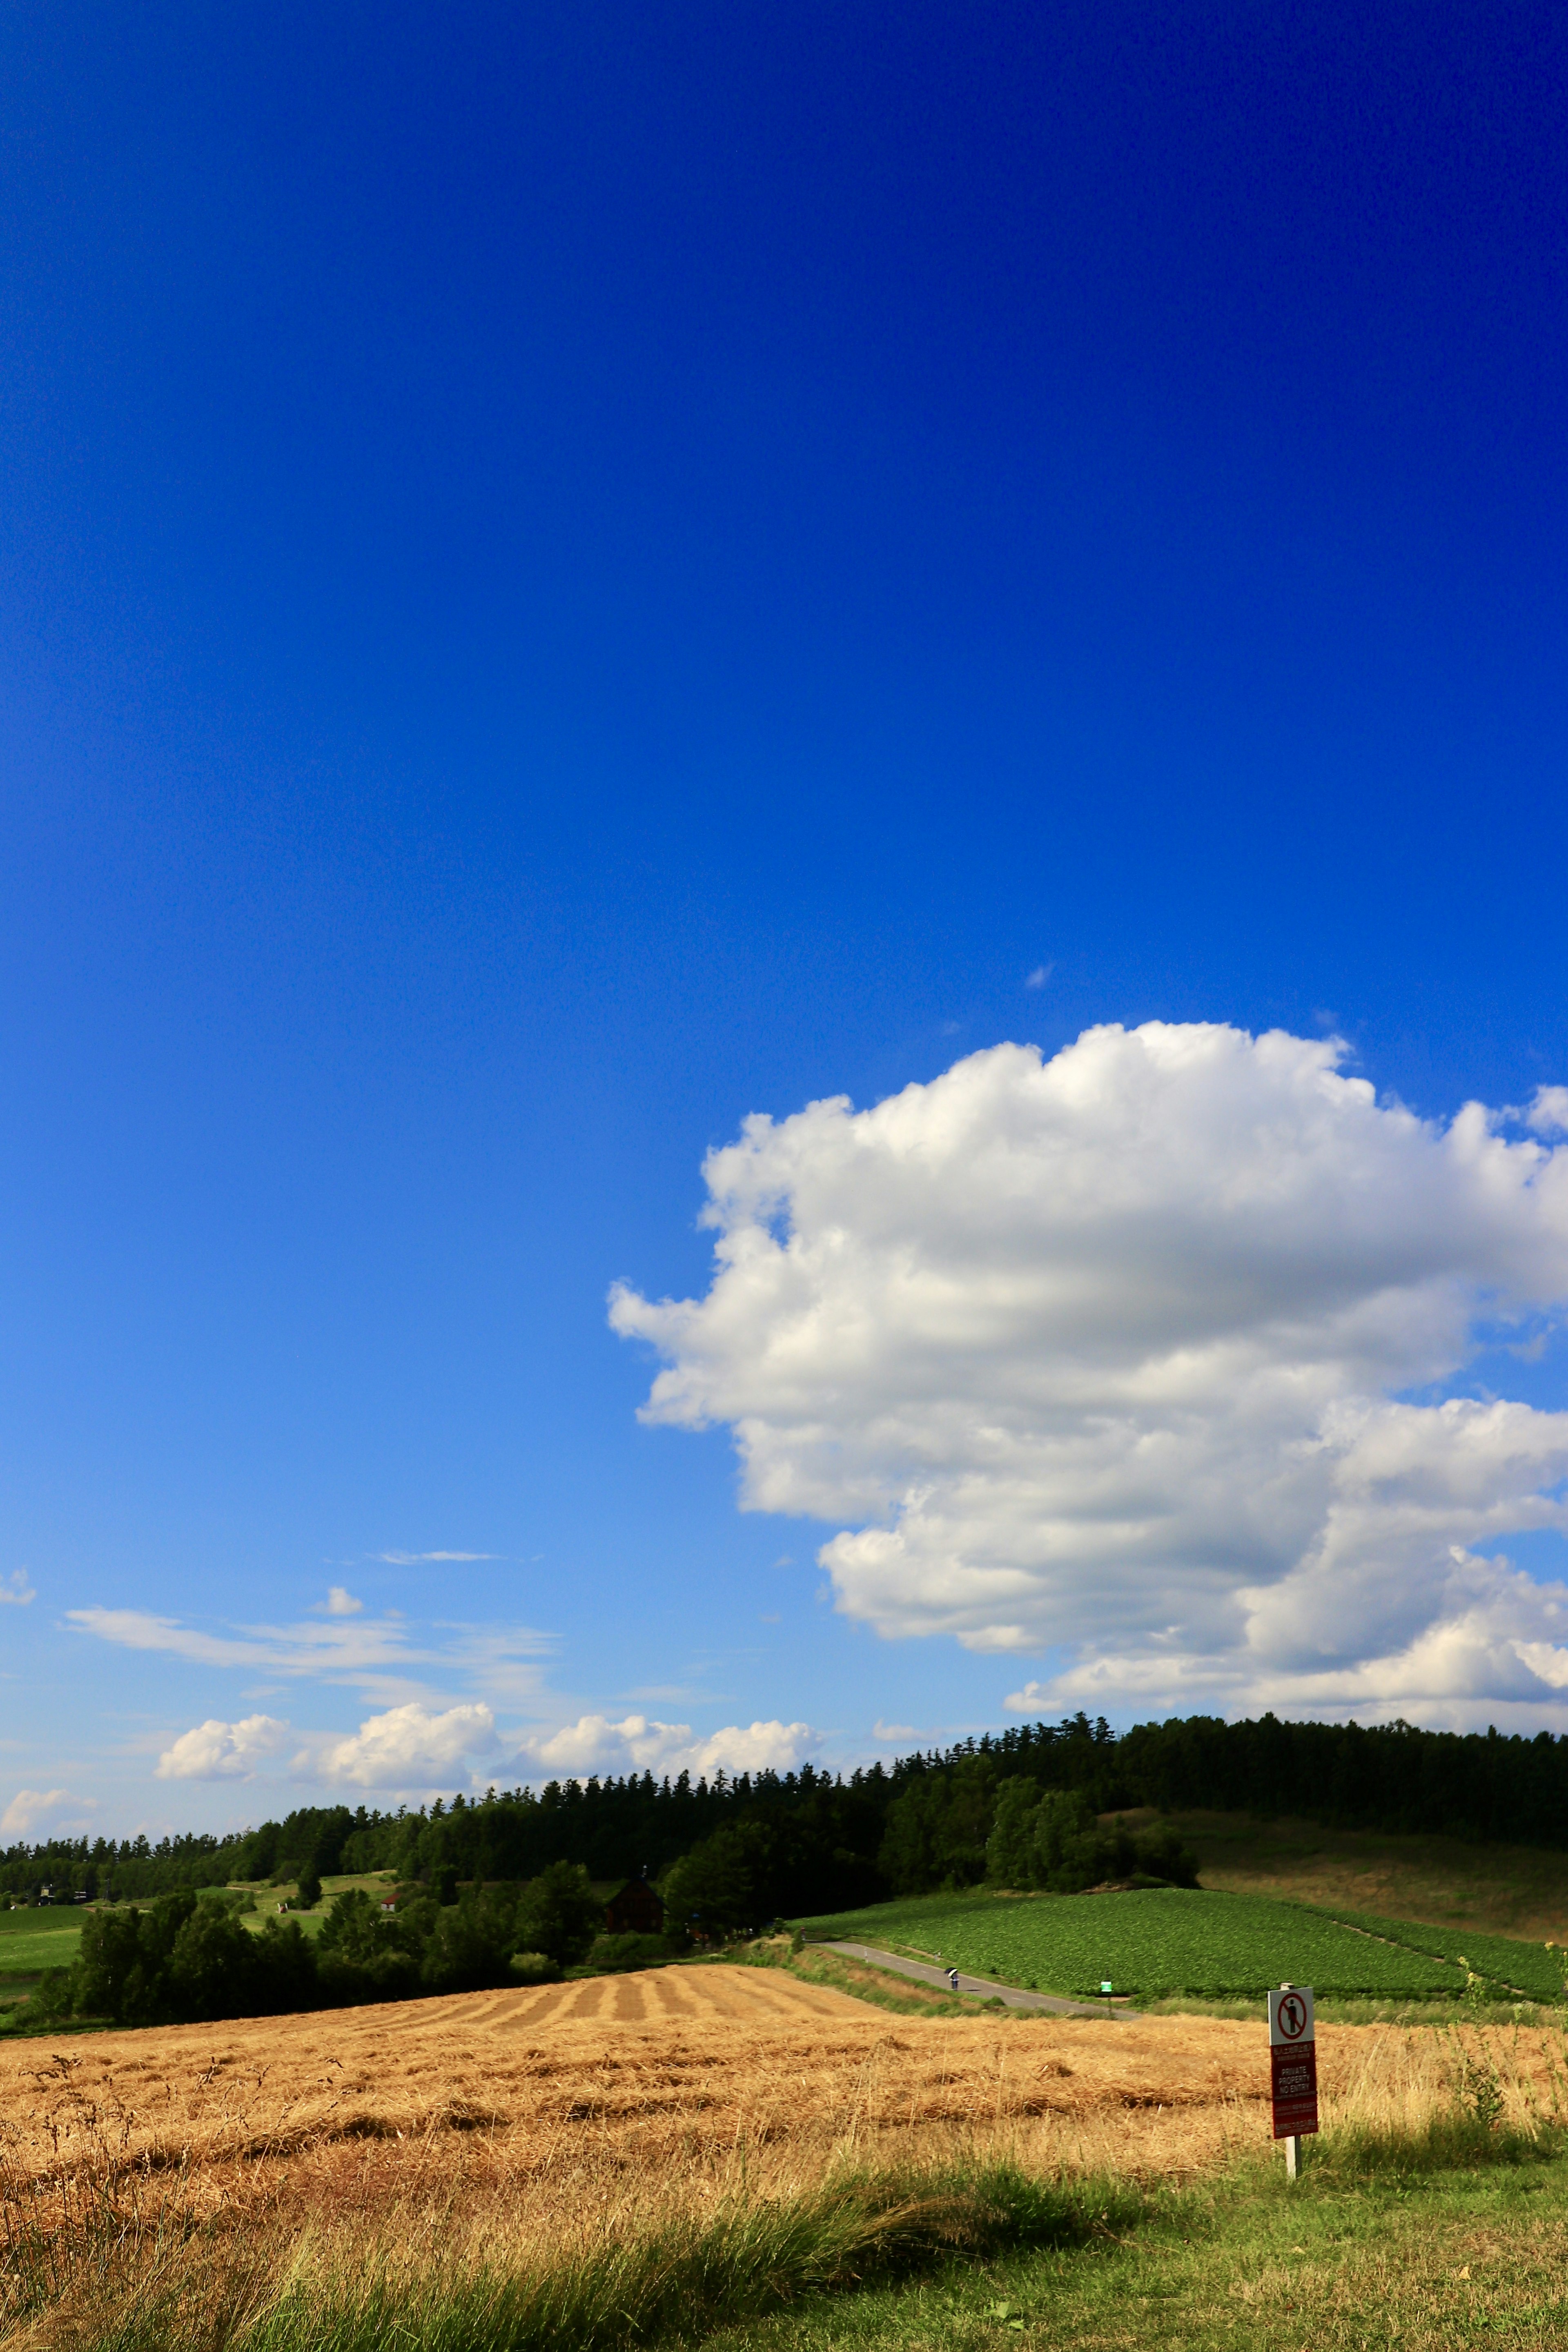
[[881, 1731], [16, 1588], [415, 1559], [222, 1751], [341, 1602], [1548, 1112], [406, 1748], [1038, 977], [28, 1806]]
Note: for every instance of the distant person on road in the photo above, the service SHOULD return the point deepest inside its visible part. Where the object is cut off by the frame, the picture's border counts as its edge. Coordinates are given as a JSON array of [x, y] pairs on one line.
[[953, 1979]]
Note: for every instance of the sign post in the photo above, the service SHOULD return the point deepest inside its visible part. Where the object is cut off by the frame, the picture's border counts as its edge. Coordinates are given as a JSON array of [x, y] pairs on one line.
[[1293, 2065]]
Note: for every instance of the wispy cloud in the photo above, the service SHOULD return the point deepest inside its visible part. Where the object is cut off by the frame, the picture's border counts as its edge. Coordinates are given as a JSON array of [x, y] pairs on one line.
[[340, 1603], [16, 1588], [1038, 977], [414, 1558], [379, 1656]]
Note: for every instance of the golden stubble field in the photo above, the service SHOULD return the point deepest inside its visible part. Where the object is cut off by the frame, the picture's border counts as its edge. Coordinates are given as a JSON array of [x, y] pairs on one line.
[[652, 2090]]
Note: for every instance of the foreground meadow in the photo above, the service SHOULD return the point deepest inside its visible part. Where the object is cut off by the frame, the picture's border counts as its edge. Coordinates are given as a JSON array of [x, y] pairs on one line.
[[626, 2159]]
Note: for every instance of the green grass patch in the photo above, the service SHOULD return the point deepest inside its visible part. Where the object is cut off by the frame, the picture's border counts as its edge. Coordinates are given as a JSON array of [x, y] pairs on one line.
[[1384, 2251], [1157, 1941], [27, 1955]]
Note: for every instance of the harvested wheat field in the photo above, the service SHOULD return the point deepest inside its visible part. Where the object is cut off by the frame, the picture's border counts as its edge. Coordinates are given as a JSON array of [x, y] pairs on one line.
[[679, 2142], [658, 2084]]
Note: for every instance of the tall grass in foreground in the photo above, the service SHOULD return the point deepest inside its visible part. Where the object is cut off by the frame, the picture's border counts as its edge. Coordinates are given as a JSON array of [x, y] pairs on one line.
[[431, 2280]]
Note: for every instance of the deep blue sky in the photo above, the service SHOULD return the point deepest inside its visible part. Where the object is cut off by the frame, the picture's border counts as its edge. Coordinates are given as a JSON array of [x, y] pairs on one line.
[[569, 573]]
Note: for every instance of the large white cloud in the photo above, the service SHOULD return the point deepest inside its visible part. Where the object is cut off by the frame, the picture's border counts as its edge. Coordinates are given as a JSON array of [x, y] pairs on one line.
[[1106, 1355], [597, 1743], [215, 1750]]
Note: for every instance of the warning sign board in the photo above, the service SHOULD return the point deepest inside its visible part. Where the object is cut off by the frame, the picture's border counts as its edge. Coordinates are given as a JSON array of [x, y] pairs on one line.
[[1293, 2058]]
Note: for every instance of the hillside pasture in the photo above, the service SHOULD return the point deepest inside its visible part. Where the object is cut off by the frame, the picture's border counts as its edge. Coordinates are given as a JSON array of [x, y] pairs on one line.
[[49, 1947], [1511, 1891]]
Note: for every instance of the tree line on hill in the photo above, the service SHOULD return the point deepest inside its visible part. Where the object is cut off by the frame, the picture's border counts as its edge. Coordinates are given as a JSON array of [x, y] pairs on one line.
[[733, 1851]]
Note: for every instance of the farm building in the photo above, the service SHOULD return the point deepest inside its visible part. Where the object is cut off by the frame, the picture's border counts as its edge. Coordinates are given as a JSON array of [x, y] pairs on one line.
[[636, 1910]]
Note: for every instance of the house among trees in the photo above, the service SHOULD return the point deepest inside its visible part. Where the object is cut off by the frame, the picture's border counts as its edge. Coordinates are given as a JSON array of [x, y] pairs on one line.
[[636, 1910]]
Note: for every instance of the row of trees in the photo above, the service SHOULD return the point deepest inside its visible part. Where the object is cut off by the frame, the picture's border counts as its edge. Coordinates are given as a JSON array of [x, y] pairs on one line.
[[809, 1841], [188, 1958]]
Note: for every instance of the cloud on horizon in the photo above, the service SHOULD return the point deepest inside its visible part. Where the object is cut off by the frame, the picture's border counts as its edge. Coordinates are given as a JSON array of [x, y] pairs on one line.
[[639, 1743], [29, 1806], [413, 1750], [1112, 1356]]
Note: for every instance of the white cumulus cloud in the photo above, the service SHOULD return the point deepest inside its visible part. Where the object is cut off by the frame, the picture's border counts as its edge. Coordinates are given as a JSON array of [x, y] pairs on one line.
[[637, 1743], [1111, 1355], [16, 1588], [406, 1748], [222, 1751]]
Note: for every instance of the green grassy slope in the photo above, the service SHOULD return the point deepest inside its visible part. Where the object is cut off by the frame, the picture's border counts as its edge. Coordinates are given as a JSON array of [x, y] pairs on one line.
[[1156, 1942], [1502, 1890], [1522, 1967]]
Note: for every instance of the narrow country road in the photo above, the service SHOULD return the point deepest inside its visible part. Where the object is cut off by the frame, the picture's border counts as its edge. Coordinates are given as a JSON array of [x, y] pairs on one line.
[[1012, 1995]]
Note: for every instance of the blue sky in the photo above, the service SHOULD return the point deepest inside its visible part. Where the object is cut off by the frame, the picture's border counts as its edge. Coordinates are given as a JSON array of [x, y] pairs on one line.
[[570, 576]]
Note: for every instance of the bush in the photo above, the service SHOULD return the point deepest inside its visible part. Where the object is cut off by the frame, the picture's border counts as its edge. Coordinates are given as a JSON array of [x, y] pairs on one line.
[[534, 1969], [607, 1955]]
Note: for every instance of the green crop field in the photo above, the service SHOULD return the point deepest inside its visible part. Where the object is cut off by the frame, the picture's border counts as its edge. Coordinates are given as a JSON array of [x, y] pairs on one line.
[[1166, 1940], [1523, 1967]]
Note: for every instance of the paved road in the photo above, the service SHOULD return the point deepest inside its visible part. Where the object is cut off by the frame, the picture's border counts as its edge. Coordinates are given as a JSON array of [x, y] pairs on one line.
[[1012, 1995]]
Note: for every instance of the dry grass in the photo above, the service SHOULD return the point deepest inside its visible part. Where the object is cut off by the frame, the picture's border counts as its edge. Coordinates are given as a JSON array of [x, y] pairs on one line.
[[508, 2128]]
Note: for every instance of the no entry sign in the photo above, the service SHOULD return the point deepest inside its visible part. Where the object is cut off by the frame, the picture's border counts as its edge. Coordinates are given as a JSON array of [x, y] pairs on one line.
[[1293, 2058]]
